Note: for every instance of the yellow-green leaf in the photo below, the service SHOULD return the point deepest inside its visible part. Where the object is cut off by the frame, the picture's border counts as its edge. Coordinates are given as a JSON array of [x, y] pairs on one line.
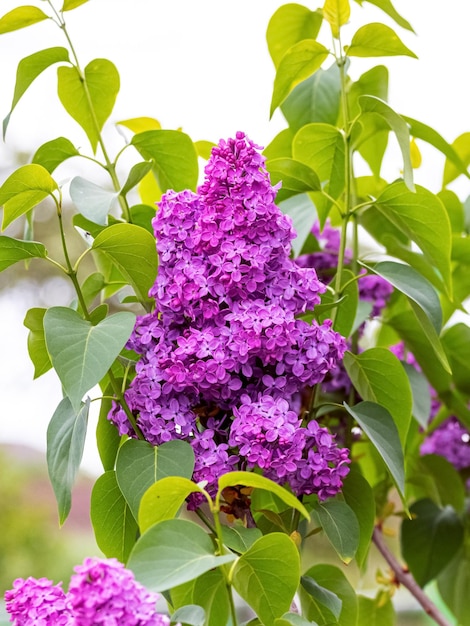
[[20, 18], [336, 13]]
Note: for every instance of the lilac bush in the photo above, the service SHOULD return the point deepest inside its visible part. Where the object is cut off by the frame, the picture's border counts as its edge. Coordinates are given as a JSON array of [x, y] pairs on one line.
[[226, 335]]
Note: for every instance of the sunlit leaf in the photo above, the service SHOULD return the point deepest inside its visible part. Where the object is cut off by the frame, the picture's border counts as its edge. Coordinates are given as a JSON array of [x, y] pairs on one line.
[[72, 4], [388, 8], [336, 13], [14, 250], [453, 168], [377, 40], [53, 153], [290, 24], [20, 18], [65, 443], [141, 124], [296, 177]]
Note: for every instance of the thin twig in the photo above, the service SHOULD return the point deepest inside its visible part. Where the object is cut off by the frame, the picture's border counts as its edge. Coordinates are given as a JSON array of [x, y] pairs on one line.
[[405, 578]]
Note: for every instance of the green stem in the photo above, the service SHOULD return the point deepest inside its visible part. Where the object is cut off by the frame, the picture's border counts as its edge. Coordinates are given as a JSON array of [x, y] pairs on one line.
[[215, 509]]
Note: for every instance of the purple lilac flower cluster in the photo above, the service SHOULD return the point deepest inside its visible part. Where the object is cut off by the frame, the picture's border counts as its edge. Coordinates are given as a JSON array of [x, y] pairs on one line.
[[102, 591], [225, 333]]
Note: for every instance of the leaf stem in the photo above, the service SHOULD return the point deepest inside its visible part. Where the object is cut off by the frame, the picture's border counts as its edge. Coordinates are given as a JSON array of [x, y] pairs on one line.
[[405, 578], [215, 510]]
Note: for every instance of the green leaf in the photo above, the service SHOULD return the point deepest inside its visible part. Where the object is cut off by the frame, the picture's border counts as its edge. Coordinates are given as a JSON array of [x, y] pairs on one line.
[[374, 82], [430, 539], [240, 539], [91, 200], [81, 353], [204, 149], [331, 578], [248, 479], [321, 147], [138, 171], [163, 500], [453, 584], [21, 17], [29, 69], [100, 84], [280, 146], [296, 177], [346, 315], [461, 147], [360, 498], [316, 99], [139, 465], [267, 576], [292, 619], [388, 8], [65, 442], [341, 527], [142, 215], [377, 40], [208, 591], [115, 528], [432, 137], [173, 552], [192, 615], [422, 217], [336, 13], [53, 153], [421, 409], [36, 341], [107, 435], [72, 4], [290, 24], [302, 211], [132, 249], [371, 104], [374, 612], [456, 341], [379, 377], [141, 124], [432, 476], [14, 250], [322, 596], [454, 208], [174, 156], [378, 425], [297, 64], [23, 190]]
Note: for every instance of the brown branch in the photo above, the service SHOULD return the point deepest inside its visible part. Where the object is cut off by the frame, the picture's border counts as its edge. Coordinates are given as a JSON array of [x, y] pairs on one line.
[[405, 578]]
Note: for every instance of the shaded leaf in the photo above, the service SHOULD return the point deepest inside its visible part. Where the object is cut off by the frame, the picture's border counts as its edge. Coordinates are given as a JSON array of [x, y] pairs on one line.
[[115, 528], [53, 153], [375, 612], [456, 341], [377, 40], [322, 596], [299, 62], [432, 476], [138, 171], [453, 584], [301, 210], [421, 409], [14, 250], [91, 200], [108, 438], [296, 177], [331, 578], [36, 341], [81, 353], [359, 496], [341, 527], [208, 591], [192, 615], [65, 442], [173, 552], [290, 24], [239, 538], [267, 576]]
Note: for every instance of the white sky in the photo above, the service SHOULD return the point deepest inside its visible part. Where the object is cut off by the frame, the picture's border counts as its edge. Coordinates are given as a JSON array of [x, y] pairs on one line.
[[202, 65]]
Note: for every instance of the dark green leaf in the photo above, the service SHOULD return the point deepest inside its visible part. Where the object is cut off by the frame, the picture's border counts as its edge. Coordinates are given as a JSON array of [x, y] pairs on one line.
[[421, 397], [81, 353], [173, 552], [249, 479], [267, 576], [316, 99], [374, 82], [14, 250], [371, 104], [23, 190], [347, 311], [107, 435], [132, 249], [456, 341], [374, 612], [377, 40], [208, 591], [174, 156], [378, 425], [303, 214], [192, 615], [115, 528], [388, 8], [379, 377], [298, 63], [430, 539], [359, 496], [36, 341], [53, 153], [341, 527], [142, 215], [20, 18], [432, 476], [290, 24], [421, 217], [89, 100], [238, 538], [321, 147], [296, 177], [331, 578], [138, 171], [65, 442], [139, 465], [322, 596], [292, 619], [453, 584], [29, 69]]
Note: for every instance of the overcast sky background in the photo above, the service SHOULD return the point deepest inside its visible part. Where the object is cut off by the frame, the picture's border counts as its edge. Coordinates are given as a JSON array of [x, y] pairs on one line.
[[202, 65]]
